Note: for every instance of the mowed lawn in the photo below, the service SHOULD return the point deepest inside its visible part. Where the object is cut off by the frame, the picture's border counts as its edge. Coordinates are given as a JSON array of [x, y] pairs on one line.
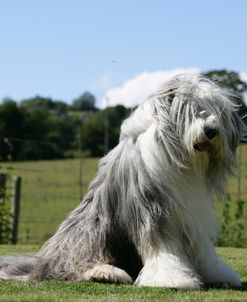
[[50, 190], [54, 291]]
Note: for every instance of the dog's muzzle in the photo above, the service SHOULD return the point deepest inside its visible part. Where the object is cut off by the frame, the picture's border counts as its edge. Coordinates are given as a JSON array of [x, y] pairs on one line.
[[210, 133]]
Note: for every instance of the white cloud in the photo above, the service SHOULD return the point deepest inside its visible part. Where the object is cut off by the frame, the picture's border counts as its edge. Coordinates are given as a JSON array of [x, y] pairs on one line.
[[105, 81], [103, 84], [136, 90]]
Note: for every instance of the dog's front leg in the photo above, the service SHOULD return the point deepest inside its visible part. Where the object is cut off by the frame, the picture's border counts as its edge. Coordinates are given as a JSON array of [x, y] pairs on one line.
[[168, 267], [215, 271]]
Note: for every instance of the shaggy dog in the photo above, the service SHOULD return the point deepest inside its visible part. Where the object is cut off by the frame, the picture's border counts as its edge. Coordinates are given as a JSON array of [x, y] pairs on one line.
[[148, 216]]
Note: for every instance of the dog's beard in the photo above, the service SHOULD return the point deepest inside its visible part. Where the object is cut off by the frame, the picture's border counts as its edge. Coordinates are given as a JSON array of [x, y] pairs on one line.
[[215, 160]]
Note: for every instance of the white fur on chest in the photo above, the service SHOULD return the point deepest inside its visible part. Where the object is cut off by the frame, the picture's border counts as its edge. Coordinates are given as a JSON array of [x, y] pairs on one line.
[[190, 204]]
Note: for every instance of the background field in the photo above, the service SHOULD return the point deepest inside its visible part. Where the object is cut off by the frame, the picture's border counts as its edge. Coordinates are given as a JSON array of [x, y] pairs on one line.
[[50, 190]]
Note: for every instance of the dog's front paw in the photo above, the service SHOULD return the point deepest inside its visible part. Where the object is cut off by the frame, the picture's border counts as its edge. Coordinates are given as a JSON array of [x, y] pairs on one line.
[[178, 282], [224, 285], [227, 285], [232, 280], [222, 276], [189, 284]]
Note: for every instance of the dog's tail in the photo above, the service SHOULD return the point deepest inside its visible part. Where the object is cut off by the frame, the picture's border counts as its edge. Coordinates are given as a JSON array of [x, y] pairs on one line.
[[17, 267]]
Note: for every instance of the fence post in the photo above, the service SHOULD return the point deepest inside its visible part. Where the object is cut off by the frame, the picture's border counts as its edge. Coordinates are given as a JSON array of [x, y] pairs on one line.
[[15, 208], [239, 173], [3, 180]]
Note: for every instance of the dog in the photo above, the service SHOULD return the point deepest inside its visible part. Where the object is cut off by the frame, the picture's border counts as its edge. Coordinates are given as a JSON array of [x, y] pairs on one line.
[[148, 216]]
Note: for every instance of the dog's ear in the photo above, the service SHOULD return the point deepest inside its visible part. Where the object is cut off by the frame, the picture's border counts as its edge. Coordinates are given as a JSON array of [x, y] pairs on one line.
[[239, 129]]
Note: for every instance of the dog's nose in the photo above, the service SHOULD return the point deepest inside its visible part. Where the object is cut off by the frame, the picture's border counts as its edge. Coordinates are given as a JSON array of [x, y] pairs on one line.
[[210, 133]]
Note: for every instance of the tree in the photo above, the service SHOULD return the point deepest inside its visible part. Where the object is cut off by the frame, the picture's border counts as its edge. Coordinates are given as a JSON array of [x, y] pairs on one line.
[[11, 126], [85, 102], [60, 108], [94, 129], [231, 81], [36, 143], [64, 134], [38, 102]]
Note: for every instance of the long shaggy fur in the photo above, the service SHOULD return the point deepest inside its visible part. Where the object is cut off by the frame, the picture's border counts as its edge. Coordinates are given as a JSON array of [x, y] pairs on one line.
[[148, 216]]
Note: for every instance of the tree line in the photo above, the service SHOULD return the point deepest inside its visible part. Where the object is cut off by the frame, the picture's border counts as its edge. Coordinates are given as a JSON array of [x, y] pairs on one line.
[[42, 128]]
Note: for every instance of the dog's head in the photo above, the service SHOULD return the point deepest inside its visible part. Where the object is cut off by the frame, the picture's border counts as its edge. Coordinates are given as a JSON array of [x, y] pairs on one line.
[[197, 119], [194, 120]]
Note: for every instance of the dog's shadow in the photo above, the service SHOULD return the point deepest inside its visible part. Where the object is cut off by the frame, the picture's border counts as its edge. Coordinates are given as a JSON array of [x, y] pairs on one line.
[[218, 286], [244, 288]]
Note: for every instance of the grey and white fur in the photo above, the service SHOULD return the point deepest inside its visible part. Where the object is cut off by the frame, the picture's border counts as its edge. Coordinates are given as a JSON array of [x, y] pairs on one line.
[[148, 215]]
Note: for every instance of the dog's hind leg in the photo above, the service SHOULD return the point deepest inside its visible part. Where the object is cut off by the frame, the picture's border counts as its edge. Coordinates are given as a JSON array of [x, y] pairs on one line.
[[102, 272]]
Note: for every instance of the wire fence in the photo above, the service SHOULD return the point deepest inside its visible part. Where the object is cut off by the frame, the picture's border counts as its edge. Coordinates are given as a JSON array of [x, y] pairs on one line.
[[52, 188]]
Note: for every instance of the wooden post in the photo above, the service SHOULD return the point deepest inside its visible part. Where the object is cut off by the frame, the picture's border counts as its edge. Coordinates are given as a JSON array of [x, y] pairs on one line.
[[239, 173], [3, 180], [106, 128], [15, 208]]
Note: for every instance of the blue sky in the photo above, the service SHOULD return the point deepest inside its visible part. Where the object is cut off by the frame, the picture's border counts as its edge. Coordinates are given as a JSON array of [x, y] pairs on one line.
[[59, 49]]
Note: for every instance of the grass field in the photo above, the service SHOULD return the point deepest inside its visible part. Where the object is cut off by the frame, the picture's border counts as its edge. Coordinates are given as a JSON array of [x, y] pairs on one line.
[[50, 190], [52, 291]]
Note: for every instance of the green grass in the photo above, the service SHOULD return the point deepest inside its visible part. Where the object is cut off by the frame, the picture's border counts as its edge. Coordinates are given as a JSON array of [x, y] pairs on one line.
[[50, 190], [237, 189], [54, 291]]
